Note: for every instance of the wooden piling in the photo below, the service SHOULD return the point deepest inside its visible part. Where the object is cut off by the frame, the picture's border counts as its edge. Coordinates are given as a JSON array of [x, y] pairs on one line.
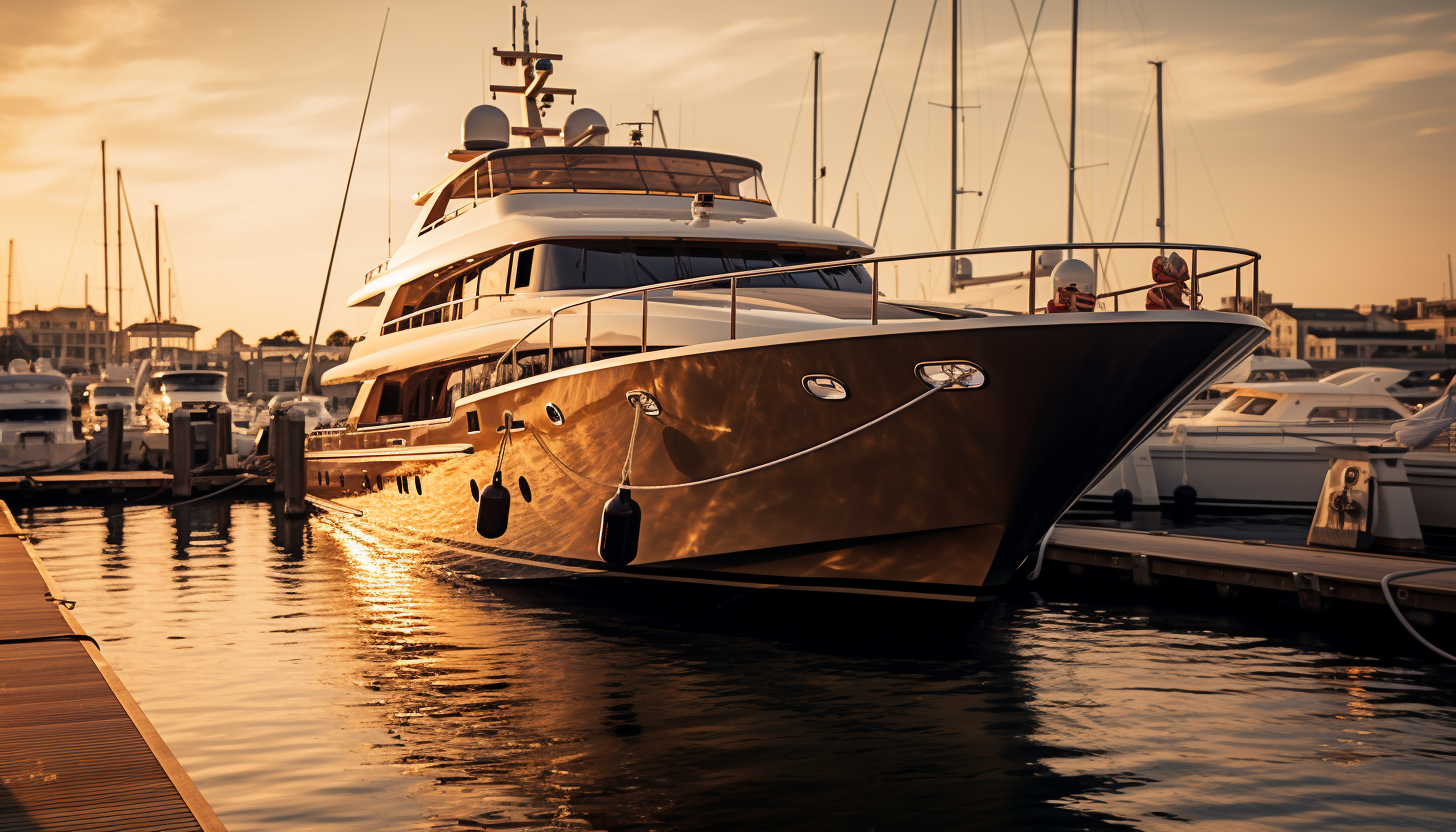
[[277, 430], [179, 441], [222, 438], [115, 436], [295, 479]]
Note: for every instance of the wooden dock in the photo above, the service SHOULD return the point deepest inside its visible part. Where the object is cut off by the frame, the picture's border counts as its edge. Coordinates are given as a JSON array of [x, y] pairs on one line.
[[76, 752], [1315, 575], [114, 482]]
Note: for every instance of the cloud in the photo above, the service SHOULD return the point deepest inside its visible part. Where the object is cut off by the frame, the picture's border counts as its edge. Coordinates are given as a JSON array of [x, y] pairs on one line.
[[1431, 131], [1411, 19]]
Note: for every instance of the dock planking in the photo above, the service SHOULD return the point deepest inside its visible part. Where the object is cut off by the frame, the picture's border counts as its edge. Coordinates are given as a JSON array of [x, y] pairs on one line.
[[1314, 574], [76, 751]]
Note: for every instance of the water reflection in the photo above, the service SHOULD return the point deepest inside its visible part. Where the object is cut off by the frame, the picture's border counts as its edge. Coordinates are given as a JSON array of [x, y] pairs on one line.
[[337, 679]]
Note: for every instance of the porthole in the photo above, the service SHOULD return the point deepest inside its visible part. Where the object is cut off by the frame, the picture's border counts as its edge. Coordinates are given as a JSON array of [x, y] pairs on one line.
[[555, 415], [827, 388], [472, 421], [474, 490], [418, 488], [378, 482], [525, 489]]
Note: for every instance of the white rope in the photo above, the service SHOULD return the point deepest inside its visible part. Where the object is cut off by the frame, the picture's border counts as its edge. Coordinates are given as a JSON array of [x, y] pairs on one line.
[[1041, 553], [770, 464], [1390, 599]]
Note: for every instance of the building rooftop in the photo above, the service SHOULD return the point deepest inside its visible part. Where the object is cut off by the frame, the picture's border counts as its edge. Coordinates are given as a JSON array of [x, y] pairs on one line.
[[1316, 314], [1363, 334]]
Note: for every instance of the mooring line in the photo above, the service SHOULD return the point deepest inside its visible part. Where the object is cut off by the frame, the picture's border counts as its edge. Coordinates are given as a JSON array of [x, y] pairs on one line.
[[535, 434]]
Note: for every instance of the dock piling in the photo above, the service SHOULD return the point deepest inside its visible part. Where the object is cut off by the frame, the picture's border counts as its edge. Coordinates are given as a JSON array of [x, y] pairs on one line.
[[295, 480], [179, 441], [222, 439], [115, 436], [277, 430]]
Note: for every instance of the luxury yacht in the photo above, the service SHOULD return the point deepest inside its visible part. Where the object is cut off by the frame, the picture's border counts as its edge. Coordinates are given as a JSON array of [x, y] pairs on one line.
[[35, 420], [593, 361]]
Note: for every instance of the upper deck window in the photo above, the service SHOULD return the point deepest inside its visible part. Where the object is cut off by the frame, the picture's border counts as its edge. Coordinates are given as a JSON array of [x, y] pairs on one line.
[[632, 170]]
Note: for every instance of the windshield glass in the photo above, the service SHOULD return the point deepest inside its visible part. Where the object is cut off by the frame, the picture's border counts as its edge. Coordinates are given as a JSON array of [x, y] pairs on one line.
[[1341, 378], [112, 391], [17, 383], [189, 381], [608, 171], [35, 414], [614, 264]]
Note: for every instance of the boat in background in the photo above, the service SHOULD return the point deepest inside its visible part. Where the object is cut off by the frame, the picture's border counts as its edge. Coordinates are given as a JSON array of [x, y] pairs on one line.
[[36, 434], [1259, 448]]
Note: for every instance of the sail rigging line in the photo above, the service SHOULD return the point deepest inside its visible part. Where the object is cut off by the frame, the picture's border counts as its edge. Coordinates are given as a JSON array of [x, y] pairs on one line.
[[1112, 237], [135, 243], [1010, 122], [76, 236], [1199, 147], [794, 134], [1046, 102], [909, 107], [863, 115], [1129, 168], [172, 293], [334, 250]]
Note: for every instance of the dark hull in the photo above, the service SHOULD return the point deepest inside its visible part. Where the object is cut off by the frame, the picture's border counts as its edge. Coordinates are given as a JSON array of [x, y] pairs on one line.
[[944, 499]]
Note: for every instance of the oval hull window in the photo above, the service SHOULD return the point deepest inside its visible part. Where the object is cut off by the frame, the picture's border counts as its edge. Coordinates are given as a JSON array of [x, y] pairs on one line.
[[554, 414], [953, 375], [828, 388]]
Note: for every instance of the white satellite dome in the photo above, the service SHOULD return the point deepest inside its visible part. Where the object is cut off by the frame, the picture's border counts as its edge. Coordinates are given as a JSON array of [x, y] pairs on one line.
[[19, 365], [579, 121], [1076, 274], [485, 128]]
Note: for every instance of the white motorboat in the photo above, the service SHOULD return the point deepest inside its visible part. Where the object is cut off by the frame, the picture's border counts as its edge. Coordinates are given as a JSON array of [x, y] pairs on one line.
[[1254, 369], [36, 435], [199, 391], [603, 362], [1259, 448]]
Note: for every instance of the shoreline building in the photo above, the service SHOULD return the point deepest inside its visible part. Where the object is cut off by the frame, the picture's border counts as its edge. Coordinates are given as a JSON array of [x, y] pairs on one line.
[[74, 338]]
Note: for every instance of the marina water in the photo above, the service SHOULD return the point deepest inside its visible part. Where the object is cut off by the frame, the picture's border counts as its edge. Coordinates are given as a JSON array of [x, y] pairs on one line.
[[326, 677]]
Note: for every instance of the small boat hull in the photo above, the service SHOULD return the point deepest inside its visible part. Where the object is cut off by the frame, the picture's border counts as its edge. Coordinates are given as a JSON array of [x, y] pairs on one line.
[[944, 499]]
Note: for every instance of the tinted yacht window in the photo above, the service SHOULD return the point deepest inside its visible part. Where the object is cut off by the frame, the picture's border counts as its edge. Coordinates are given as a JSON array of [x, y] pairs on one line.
[[624, 264]]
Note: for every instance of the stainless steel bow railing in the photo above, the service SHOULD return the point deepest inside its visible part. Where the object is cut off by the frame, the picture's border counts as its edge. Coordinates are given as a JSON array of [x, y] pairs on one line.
[[1251, 260]]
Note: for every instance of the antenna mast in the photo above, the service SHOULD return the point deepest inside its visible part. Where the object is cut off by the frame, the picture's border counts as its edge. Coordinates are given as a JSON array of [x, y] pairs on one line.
[[814, 146], [9, 279]]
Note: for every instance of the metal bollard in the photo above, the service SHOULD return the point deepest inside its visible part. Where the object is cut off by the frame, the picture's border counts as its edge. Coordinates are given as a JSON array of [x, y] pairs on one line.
[[115, 436], [222, 437], [179, 442], [295, 478]]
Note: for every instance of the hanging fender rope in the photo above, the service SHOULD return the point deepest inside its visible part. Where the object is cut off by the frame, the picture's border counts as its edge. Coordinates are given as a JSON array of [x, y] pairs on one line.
[[822, 445]]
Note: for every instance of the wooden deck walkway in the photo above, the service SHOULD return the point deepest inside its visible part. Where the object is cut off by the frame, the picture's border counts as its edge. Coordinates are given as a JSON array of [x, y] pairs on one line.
[[76, 752], [1314, 574]]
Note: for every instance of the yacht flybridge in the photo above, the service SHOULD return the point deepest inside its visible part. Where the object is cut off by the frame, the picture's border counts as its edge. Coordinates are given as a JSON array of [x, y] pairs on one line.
[[595, 360]]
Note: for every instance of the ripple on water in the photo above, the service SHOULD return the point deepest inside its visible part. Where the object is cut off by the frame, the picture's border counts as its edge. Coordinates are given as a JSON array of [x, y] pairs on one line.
[[328, 678]]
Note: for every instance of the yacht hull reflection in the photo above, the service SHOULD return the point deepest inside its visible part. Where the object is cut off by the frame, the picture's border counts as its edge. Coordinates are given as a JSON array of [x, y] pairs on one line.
[[943, 500]]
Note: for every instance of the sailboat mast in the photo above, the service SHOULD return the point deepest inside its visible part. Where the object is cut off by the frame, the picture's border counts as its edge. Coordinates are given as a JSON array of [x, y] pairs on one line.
[[1072, 134], [1162, 210], [157, 260], [105, 247], [9, 279], [118, 266], [955, 112], [814, 149]]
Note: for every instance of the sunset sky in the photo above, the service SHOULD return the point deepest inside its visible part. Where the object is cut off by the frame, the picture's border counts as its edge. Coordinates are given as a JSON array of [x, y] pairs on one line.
[[1320, 133]]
